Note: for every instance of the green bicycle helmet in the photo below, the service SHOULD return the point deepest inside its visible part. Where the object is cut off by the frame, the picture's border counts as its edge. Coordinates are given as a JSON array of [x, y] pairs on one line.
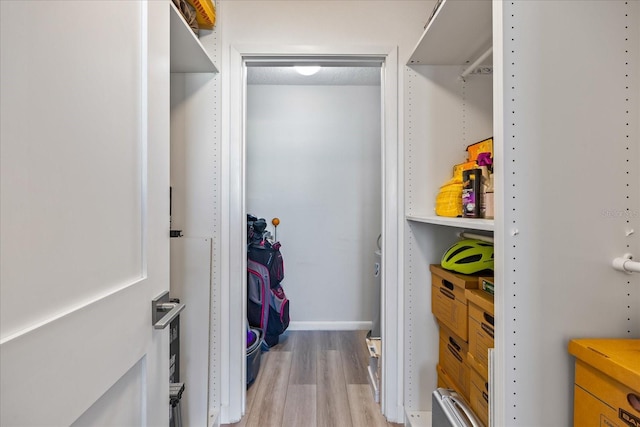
[[468, 256]]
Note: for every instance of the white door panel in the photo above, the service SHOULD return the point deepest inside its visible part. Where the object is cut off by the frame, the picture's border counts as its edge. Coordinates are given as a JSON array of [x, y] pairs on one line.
[[84, 212], [71, 147], [67, 364], [127, 396]]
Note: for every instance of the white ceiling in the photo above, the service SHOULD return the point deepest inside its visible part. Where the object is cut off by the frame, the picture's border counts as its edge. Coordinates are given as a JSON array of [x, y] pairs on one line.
[[286, 75]]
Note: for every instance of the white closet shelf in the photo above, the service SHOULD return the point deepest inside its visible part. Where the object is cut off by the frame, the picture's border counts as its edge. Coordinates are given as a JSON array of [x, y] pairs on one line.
[[458, 32], [187, 53], [466, 223]]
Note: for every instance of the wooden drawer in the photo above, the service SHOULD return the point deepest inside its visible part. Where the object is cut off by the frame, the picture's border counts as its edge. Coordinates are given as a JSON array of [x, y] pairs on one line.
[[480, 326], [448, 299]]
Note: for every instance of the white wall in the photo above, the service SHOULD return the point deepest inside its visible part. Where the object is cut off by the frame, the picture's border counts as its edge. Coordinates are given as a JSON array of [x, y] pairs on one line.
[[324, 23], [313, 160]]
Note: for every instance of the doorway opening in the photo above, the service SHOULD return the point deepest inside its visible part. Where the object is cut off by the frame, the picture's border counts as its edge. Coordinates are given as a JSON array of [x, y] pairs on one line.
[[313, 160], [247, 164]]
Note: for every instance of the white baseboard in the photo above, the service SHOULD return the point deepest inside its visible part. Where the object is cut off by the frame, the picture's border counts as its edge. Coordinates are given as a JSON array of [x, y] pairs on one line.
[[330, 326]]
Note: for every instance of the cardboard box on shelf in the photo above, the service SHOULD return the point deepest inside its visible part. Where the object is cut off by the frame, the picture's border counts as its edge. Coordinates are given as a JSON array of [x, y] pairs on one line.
[[452, 358], [444, 381], [481, 325], [479, 395], [448, 299], [607, 382], [480, 369]]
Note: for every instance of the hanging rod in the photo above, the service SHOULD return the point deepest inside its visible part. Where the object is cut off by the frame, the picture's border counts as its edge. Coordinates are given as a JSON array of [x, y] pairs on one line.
[[625, 263], [467, 235], [475, 63]]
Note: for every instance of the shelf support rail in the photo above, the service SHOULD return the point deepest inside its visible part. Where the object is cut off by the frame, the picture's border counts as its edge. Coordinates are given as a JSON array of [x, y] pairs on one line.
[[625, 264], [475, 63]]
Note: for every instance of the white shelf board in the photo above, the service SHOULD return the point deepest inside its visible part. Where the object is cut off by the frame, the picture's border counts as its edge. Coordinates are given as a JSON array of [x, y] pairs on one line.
[[459, 32], [466, 223], [187, 53], [419, 418]]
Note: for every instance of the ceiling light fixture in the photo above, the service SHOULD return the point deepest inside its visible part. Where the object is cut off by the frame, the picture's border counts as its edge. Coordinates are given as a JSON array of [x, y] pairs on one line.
[[307, 70]]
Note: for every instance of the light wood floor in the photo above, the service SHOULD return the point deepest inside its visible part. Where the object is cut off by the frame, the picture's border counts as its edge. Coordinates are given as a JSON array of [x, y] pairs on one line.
[[314, 379]]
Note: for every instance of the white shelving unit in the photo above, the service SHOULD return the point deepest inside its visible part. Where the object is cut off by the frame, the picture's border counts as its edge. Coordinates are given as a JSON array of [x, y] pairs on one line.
[[187, 53], [192, 96], [552, 101], [444, 114], [457, 32]]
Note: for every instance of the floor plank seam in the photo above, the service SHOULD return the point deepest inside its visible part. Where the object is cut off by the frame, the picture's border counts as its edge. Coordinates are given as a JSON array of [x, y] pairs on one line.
[[331, 361]]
